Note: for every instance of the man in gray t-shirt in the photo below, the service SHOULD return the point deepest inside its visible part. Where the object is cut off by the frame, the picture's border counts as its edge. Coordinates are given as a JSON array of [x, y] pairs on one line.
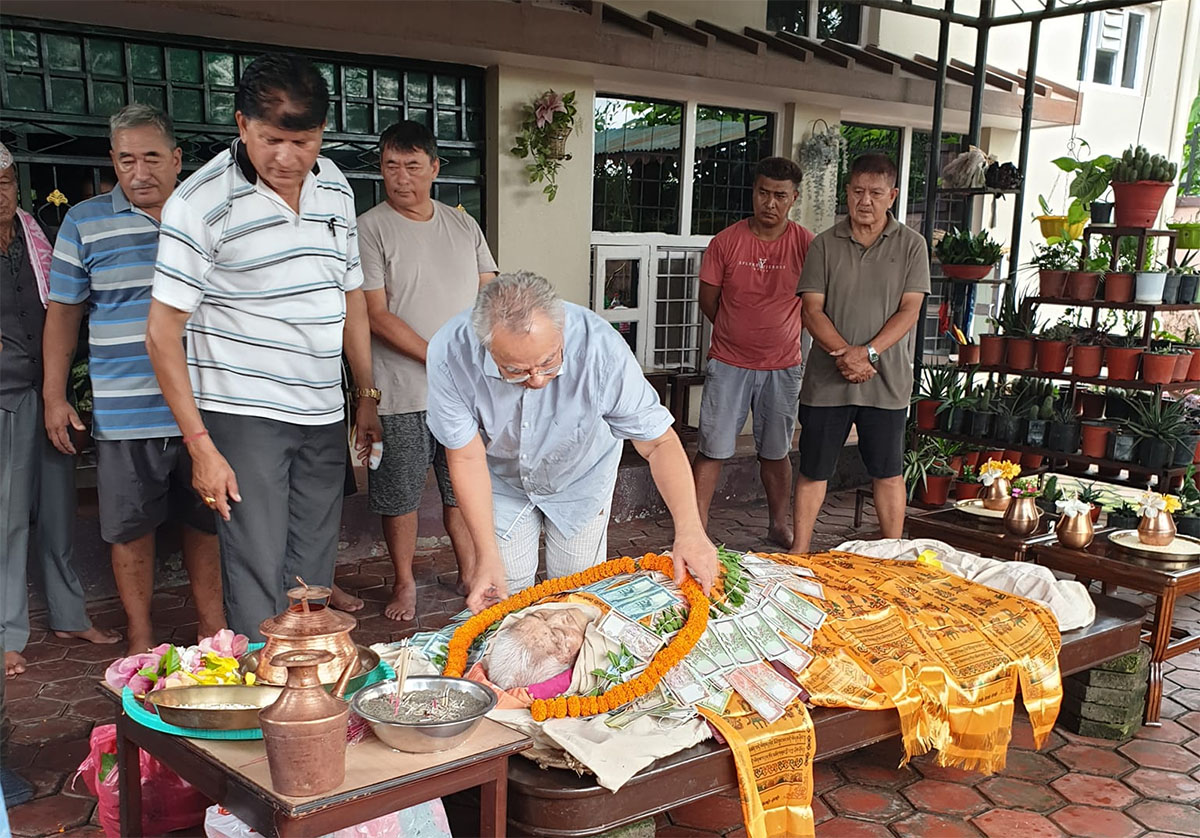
[[423, 262]]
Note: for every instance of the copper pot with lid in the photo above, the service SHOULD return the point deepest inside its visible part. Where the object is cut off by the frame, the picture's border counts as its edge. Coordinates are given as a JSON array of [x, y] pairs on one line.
[[308, 626]]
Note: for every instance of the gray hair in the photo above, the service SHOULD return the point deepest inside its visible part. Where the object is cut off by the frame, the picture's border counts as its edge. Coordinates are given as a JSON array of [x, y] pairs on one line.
[[509, 302], [137, 115], [511, 663]]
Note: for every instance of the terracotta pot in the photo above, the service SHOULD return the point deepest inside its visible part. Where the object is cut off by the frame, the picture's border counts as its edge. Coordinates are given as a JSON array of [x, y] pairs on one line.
[[967, 272], [1194, 366], [1122, 362], [1158, 531], [1021, 516], [1075, 531], [927, 414], [998, 495], [1051, 356], [1182, 363], [972, 458], [1157, 369], [1031, 461], [992, 350], [1118, 287], [1021, 353], [1137, 203], [1094, 514], [1082, 285], [1086, 361], [1091, 404], [968, 355], [967, 491], [935, 489], [1012, 455], [996, 454], [1095, 440], [956, 465], [1051, 283]]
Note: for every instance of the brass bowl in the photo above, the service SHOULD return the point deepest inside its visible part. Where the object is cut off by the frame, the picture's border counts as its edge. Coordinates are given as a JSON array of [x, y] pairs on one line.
[[367, 661], [195, 707], [424, 737]]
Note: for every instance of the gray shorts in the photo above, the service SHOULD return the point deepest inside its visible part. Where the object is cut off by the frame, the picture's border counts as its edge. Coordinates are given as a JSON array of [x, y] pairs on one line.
[[730, 393], [142, 483], [409, 449]]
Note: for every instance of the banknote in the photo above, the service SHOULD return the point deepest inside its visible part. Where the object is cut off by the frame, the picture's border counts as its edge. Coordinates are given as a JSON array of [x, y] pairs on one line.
[[717, 701], [784, 622], [712, 646], [761, 634], [637, 607], [701, 662], [755, 696], [639, 640], [740, 648], [683, 684], [810, 587], [796, 660], [780, 689], [797, 606]]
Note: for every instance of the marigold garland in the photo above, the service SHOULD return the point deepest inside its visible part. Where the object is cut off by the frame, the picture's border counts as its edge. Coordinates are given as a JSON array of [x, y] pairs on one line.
[[578, 706]]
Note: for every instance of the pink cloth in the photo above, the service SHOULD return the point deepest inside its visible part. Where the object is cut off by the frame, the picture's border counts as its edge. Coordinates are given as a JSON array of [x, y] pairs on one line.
[[40, 252], [552, 687]]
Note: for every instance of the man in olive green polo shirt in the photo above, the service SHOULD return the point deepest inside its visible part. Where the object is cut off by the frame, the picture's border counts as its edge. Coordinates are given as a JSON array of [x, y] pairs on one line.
[[862, 289]]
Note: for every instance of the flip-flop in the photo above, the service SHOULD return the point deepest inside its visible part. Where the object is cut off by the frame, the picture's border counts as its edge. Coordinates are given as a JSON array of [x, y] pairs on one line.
[[17, 789]]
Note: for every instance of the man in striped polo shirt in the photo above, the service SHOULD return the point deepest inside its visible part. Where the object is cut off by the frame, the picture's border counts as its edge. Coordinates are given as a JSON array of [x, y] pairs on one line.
[[259, 261], [104, 258]]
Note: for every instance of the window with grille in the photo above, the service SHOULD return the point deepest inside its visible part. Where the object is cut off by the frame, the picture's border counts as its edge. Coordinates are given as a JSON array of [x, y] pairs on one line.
[[636, 166], [918, 168], [729, 144], [678, 323], [60, 83], [817, 19], [1112, 46]]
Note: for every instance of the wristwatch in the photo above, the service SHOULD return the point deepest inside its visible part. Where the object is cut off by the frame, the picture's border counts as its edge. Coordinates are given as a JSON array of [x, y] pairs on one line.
[[368, 393], [872, 355]]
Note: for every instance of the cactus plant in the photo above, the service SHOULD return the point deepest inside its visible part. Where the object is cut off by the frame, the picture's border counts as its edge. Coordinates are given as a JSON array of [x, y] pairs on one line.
[[1138, 164]]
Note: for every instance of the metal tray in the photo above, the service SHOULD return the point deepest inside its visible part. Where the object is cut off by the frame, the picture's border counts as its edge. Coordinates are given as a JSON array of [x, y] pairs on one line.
[[974, 506], [367, 662], [1180, 554], [191, 706]]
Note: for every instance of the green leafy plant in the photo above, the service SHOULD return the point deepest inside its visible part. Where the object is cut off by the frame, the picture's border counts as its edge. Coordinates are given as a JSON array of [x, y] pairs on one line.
[[1091, 176], [611, 675], [1189, 494], [937, 381], [969, 474], [1049, 491], [1090, 493], [1062, 255], [923, 461], [546, 123], [1062, 330], [1159, 419], [1014, 319], [1139, 164], [959, 247], [1075, 216]]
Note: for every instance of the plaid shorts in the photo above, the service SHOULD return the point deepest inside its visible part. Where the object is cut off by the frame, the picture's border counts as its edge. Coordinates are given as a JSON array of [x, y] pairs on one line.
[[409, 449]]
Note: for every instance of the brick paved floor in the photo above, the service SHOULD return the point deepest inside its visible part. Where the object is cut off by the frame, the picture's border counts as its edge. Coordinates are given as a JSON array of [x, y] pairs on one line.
[[1074, 786]]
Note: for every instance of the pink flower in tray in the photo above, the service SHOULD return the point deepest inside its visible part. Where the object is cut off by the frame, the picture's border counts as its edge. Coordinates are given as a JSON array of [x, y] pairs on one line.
[[123, 672], [226, 644], [546, 106]]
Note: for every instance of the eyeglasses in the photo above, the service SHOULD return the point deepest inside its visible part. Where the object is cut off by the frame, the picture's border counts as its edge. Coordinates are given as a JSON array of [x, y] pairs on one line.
[[520, 377]]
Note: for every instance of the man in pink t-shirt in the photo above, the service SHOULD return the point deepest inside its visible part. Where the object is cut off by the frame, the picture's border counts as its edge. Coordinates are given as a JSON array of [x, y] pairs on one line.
[[748, 290]]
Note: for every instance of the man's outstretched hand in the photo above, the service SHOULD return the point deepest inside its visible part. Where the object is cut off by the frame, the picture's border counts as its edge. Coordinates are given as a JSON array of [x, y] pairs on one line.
[[487, 586], [694, 552]]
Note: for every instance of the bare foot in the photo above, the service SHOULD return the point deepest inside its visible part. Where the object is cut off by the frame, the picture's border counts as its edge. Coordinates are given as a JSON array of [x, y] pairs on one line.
[[14, 664], [780, 536], [344, 601], [99, 636], [139, 643], [403, 604], [203, 631]]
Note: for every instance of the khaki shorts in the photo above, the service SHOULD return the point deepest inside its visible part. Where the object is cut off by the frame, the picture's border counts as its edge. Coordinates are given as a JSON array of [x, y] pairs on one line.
[[730, 393]]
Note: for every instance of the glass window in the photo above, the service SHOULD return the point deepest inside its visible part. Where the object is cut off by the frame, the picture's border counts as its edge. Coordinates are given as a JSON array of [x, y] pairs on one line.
[[842, 21], [636, 165], [816, 19], [729, 143], [918, 170], [1110, 50], [1133, 45], [787, 16], [1102, 66]]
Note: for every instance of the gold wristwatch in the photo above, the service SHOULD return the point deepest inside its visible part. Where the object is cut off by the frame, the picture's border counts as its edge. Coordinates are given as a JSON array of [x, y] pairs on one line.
[[368, 393]]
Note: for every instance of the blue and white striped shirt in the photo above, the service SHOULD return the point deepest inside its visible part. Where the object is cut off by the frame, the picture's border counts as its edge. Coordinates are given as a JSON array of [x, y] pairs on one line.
[[104, 255], [266, 288]]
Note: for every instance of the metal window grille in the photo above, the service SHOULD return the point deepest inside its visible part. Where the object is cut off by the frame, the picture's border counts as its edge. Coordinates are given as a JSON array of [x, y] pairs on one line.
[[678, 322], [729, 143], [636, 167], [816, 18], [59, 84]]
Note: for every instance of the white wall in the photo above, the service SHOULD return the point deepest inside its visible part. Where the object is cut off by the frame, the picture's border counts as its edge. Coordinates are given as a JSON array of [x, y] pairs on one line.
[[525, 231], [732, 14]]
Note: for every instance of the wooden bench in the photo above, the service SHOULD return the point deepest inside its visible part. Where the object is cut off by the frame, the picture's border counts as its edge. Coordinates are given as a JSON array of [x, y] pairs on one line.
[[559, 804]]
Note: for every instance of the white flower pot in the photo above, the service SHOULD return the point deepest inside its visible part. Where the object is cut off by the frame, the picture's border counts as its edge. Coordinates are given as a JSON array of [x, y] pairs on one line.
[[1149, 286]]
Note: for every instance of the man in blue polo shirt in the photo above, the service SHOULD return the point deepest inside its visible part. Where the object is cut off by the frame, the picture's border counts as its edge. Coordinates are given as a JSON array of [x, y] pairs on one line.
[[104, 257]]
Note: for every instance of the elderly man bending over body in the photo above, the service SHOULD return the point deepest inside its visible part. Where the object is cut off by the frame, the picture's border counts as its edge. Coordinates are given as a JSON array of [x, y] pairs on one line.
[[531, 398]]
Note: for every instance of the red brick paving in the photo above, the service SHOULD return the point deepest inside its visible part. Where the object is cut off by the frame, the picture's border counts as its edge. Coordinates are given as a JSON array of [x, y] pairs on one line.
[[1053, 792]]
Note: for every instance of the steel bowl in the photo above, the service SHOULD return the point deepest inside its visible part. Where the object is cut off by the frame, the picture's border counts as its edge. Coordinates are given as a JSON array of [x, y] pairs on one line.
[[195, 707], [423, 737]]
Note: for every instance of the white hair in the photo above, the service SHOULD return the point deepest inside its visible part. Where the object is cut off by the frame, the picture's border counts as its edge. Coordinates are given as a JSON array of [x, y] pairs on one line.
[[510, 301], [511, 663]]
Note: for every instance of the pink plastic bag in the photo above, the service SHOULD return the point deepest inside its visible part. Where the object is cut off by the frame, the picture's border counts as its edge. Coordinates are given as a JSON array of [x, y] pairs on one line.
[[168, 802]]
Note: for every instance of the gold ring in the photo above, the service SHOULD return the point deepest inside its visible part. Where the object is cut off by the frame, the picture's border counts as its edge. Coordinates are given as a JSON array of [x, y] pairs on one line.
[[210, 501]]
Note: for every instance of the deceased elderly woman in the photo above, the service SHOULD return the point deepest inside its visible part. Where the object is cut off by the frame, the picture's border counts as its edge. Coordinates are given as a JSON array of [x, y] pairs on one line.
[[536, 646]]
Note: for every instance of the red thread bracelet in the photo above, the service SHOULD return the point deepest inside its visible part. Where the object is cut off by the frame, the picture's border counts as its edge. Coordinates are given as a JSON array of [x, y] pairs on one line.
[[195, 436]]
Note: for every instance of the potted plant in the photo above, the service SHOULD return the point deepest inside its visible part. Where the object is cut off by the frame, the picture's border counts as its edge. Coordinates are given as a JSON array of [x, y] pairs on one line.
[[1087, 355], [546, 123], [1159, 425], [952, 412], [1052, 347], [927, 474], [1140, 181], [1187, 520], [1063, 433], [1049, 494], [1122, 516], [1150, 284], [1082, 285], [979, 416], [1091, 495], [968, 484], [1090, 401], [1188, 279], [1091, 181], [1122, 443], [1069, 226], [936, 381], [996, 477], [1093, 441], [1053, 261], [1185, 449], [1158, 364], [1038, 424], [1018, 322], [1123, 351], [966, 256]]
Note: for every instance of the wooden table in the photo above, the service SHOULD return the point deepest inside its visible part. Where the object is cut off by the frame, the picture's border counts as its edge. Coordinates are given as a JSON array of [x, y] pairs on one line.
[[1112, 566], [976, 534], [234, 773]]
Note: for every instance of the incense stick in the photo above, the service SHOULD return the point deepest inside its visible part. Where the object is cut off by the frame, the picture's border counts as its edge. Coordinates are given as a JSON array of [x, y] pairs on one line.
[[401, 672]]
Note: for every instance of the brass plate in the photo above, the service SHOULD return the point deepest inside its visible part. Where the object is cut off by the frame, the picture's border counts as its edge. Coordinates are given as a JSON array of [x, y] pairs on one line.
[[1180, 554], [195, 706], [974, 506], [367, 661]]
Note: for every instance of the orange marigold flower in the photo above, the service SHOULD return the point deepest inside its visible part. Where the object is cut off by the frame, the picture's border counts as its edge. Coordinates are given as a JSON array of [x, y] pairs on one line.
[[560, 707], [538, 710], [573, 706]]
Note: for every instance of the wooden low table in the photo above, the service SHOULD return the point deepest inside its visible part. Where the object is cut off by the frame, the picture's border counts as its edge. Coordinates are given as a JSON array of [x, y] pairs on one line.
[[556, 803], [975, 534], [1103, 562], [234, 773]]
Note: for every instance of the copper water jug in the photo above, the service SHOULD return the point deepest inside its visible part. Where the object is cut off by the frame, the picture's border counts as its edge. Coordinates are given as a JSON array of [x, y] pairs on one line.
[[311, 626], [305, 729], [1022, 516], [1075, 531], [1158, 531], [998, 495]]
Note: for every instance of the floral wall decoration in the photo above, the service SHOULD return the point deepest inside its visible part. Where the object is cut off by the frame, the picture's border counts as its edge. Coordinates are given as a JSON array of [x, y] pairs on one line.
[[546, 123], [819, 156]]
